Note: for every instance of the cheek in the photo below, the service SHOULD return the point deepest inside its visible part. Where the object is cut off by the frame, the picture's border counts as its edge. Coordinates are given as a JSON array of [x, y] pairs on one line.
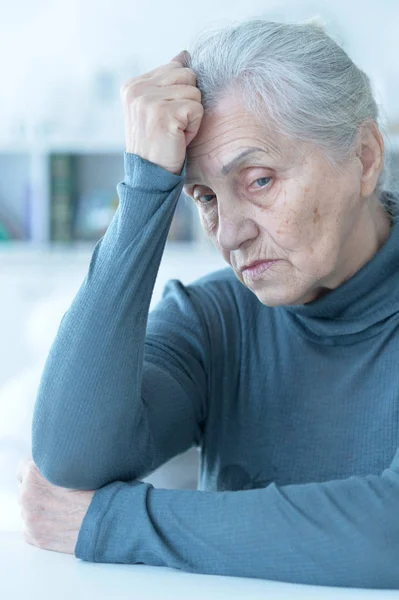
[[209, 219], [297, 220], [209, 222], [286, 227]]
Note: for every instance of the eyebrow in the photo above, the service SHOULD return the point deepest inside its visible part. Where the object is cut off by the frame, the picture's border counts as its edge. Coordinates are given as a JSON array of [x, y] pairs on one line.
[[233, 163]]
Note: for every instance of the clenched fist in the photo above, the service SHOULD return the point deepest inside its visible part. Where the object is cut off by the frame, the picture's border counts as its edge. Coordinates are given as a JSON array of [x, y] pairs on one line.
[[52, 515], [163, 113]]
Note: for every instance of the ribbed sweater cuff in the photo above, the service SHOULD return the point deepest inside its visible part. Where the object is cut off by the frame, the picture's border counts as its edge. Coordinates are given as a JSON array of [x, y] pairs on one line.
[[145, 175]]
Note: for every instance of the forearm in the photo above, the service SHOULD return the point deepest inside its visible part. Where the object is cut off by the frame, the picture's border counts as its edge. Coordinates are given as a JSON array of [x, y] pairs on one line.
[[88, 414], [340, 533]]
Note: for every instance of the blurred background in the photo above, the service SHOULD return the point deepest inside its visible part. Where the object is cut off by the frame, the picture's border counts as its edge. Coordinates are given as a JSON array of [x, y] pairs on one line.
[[61, 158]]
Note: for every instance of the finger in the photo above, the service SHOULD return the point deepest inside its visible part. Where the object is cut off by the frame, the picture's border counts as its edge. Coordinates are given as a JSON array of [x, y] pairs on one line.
[[183, 76], [162, 76], [177, 92], [183, 57], [191, 114]]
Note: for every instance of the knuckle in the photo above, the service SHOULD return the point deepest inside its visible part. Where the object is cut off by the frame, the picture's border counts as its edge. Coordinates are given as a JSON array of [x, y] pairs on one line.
[[182, 75], [142, 105], [195, 108], [190, 73], [130, 89], [200, 110], [140, 102], [125, 84], [198, 94]]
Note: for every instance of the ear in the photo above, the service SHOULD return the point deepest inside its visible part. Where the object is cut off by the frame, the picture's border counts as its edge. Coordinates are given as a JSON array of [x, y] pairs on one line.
[[370, 151]]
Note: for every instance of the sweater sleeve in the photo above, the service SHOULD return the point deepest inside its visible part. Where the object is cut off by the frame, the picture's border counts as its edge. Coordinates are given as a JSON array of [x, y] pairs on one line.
[[336, 533], [109, 397]]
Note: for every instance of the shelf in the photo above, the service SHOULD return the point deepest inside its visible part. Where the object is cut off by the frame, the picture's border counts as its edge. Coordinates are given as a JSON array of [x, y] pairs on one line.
[[71, 147], [31, 203], [69, 194], [19, 253]]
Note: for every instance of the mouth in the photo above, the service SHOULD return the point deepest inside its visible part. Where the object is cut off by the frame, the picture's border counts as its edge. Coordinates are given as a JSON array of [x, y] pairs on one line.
[[258, 262], [255, 270]]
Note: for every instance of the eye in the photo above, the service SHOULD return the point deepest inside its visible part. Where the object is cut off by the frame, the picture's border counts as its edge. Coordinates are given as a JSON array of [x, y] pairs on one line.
[[202, 199], [261, 179]]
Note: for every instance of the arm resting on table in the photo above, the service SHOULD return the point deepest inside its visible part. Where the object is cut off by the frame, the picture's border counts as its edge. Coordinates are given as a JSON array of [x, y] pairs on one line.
[[113, 388], [337, 533]]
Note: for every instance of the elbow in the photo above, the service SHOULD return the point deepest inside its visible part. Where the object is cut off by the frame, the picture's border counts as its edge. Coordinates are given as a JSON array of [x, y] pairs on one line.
[[57, 474], [67, 473], [65, 466], [68, 478]]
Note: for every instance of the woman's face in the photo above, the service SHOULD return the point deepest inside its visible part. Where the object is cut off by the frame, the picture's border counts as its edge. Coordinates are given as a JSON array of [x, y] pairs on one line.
[[279, 201]]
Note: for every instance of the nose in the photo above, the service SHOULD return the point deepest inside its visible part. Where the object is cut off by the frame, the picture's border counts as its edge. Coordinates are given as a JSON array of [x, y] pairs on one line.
[[234, 227]]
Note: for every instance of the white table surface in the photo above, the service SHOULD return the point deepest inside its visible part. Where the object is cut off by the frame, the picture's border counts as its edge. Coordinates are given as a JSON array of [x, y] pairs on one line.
[[29, 573]]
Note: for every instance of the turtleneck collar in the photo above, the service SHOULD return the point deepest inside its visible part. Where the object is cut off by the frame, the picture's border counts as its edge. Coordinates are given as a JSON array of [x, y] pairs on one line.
[[359, 307]]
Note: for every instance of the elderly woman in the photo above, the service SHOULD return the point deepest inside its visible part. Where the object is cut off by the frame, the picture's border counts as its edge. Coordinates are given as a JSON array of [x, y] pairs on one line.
[[282, 367]]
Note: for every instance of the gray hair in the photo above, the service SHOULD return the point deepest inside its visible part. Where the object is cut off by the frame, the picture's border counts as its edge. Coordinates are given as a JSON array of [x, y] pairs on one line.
[[293, 76]]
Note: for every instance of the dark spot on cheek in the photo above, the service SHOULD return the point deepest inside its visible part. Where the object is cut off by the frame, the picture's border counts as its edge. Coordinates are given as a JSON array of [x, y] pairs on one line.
[[316, 215], [287, 221]]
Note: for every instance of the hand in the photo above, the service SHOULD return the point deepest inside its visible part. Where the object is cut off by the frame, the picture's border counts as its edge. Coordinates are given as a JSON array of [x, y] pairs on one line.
[[52, 515], [163, 113]]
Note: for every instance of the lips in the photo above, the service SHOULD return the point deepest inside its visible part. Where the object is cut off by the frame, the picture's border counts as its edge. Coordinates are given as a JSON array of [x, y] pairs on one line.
[[258, 262]]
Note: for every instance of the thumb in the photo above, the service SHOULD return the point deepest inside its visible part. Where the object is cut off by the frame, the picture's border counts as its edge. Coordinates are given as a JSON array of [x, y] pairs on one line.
[[183, 57]]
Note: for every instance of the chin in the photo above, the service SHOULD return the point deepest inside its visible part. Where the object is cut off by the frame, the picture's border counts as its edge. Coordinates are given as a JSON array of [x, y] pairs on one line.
[[273, 294], [281, 297]]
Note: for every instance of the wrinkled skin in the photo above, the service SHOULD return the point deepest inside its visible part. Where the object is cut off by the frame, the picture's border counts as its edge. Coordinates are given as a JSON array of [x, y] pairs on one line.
[[285, 202], [52, 515]]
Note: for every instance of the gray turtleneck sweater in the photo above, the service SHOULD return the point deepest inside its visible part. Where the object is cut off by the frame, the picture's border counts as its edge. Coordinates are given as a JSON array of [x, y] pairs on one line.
[[295, 410]]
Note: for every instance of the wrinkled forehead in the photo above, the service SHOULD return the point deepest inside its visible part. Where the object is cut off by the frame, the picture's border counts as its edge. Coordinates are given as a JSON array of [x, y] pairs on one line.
[[225, 144]]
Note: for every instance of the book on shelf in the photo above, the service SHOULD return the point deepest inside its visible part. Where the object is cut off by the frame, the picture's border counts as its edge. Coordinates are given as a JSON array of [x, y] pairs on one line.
[[62, 201], [85, 216]]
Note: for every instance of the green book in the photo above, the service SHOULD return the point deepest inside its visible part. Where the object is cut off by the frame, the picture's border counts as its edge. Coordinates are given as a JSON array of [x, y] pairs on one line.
[[62, 174]]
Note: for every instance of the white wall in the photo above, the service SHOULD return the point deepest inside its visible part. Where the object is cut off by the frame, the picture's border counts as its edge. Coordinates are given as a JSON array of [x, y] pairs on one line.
[[50, 50], [36, 290]]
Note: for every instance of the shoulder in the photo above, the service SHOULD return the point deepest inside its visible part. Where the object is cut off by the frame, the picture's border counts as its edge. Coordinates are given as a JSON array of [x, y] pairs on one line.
[[216, 300], [221, 288]]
